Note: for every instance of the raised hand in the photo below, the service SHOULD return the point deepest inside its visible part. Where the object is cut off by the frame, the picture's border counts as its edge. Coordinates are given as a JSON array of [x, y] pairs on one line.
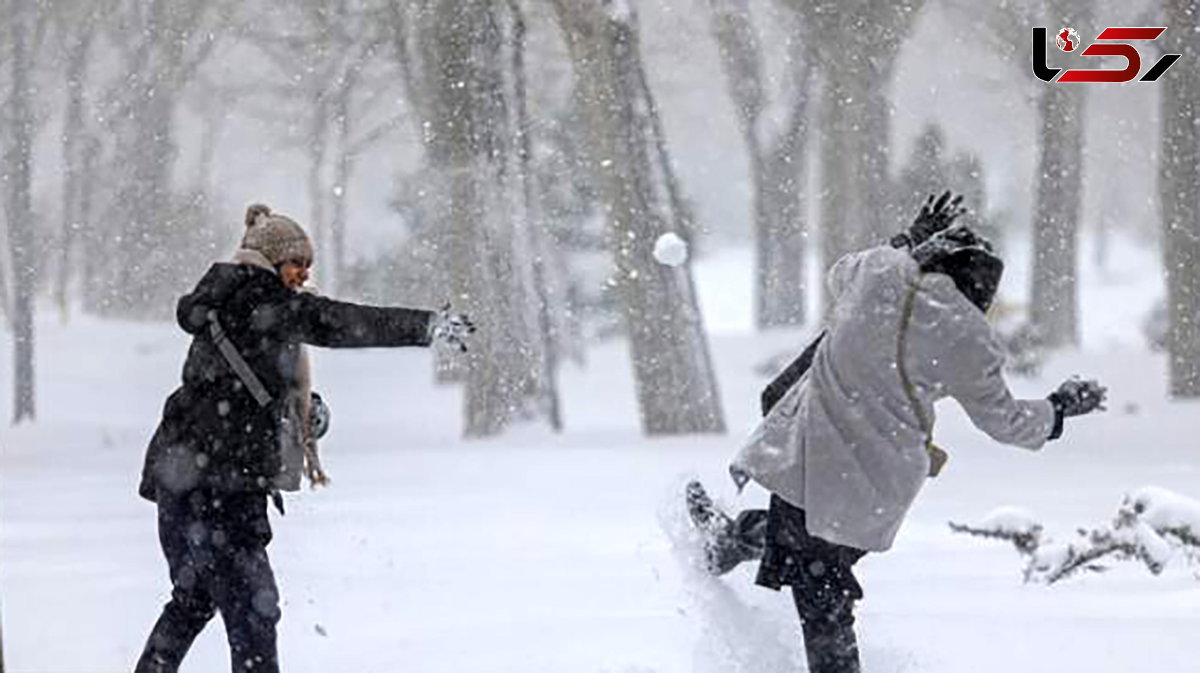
[[935, 216]]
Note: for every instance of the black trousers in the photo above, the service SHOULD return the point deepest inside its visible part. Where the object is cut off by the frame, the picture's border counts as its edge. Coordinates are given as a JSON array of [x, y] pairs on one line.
[[216, 550], [819, 573]]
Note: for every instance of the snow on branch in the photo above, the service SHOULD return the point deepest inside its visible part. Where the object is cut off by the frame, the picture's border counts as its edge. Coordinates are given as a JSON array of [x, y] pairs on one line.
[[1151, 526]]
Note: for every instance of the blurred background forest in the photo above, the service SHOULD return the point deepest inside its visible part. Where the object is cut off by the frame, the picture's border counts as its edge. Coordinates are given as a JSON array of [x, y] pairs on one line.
[[522, 158]]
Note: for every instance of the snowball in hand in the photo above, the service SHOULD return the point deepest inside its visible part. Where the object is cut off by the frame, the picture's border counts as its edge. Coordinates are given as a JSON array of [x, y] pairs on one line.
[[671, 250]]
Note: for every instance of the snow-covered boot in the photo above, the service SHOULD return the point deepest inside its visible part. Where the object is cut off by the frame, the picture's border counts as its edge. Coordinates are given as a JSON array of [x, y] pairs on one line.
[[703, 510], [727, 541]]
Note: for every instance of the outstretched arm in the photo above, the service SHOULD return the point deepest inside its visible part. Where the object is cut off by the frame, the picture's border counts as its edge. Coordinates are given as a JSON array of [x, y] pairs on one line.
[[992, 408], [329, 323]]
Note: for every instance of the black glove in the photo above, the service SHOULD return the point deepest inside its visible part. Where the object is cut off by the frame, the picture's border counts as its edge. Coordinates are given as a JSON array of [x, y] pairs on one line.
[[934, 217], [452, 328], [1076, 397]]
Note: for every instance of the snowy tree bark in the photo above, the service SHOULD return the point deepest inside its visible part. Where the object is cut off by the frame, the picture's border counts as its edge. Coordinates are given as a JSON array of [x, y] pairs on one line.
[[676, 385], [316, 148], [1053, 305], [858, 43], [343, 170], [73, 139], [534, 226], [80, 147], [468, 140], [777, 160], [18, 168], [1054, 312], [1179, 190]]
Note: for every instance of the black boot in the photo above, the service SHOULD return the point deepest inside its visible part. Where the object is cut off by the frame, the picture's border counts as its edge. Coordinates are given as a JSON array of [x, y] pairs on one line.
[[727, 542]]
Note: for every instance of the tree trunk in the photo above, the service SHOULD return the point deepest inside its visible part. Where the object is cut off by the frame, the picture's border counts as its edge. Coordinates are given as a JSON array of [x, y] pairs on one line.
[[776, 164], [837, 178], [74, 141], [344, 168], [676, 388], [19, 166], [1053, 305], [1059, 192], [145, 249], [1179, 189], [318, 143], [780, 215], [857, 61], [532, 226], [489, 268]]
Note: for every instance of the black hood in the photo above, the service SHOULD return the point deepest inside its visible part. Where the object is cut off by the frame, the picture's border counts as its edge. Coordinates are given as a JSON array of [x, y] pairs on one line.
[[969, 261]]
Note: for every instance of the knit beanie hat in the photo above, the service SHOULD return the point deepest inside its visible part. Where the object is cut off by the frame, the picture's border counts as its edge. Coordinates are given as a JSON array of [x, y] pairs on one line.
[[276, 237]]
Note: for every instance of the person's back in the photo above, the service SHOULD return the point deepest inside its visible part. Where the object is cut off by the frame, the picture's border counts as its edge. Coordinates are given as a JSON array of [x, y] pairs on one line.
[[898, 340]]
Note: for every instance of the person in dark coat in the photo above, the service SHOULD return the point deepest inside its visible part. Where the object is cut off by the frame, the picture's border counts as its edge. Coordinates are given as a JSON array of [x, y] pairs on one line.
[[216, 457], [846, 442]]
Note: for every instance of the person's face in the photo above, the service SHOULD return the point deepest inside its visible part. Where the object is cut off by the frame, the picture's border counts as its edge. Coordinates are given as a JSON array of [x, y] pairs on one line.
[[294, 273]]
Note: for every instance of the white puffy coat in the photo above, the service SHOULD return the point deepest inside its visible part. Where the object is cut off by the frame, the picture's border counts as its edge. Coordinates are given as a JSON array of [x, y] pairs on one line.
[[845, 443]]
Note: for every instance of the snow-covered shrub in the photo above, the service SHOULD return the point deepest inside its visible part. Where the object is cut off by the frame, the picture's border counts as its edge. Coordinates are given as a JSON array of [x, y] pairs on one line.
[[1152, 525]]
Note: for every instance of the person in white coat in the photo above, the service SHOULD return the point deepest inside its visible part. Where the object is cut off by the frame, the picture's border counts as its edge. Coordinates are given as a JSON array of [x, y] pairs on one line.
[[846, 442]]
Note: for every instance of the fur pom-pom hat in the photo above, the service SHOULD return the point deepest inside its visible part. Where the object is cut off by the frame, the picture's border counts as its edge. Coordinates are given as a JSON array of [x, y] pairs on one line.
[[277, 237]]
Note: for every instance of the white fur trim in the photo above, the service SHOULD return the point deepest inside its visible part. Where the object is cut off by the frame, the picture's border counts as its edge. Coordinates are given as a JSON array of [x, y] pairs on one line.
[[253, 258]]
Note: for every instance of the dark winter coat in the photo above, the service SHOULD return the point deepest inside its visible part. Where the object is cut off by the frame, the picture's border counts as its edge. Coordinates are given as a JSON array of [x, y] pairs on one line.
[[213, 433]]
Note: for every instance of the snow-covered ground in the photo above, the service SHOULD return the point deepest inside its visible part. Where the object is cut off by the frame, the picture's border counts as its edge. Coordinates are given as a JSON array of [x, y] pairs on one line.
[[539, 553]]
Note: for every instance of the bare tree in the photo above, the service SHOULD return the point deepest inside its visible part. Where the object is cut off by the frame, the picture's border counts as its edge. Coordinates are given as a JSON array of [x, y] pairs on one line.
[[541, 248], [161, 45], [777, 156], [858, 43], [676, 384], [1058, 178], [25, 28], [1179, 189], [328, 52], [1054, 311], [80, 144], [475, 197]]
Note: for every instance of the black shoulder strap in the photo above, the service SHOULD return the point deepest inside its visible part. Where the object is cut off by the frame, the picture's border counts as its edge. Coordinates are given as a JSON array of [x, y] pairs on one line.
[[777, 388], [236, 361]]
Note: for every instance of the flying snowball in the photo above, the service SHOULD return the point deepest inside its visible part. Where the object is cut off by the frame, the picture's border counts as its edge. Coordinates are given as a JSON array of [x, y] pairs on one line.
[[670, 249]]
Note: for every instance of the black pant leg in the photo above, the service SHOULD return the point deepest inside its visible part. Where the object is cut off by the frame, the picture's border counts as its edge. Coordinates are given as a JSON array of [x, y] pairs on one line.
[[743, 539], [827, 622], [825, 593], [824, 588], [189, 559], [246, 593]]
